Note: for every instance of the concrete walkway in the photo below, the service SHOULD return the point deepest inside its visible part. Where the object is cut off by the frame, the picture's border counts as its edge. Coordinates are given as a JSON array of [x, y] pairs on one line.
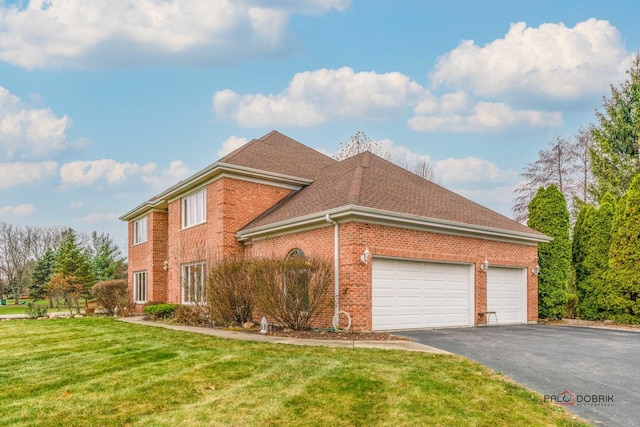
[[246, 336]]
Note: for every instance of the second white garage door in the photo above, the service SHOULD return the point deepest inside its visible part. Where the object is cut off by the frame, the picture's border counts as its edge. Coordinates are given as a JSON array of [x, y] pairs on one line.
[[418, 294], [507, 294]]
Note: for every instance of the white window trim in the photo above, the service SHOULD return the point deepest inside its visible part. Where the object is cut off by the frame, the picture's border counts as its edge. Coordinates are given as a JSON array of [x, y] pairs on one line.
[[138, 236], [137, 285], [197, 214], [186, 270]]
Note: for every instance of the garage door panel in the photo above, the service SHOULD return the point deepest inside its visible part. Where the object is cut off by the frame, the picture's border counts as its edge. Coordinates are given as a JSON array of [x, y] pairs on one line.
[[506, 294], [415, 294]]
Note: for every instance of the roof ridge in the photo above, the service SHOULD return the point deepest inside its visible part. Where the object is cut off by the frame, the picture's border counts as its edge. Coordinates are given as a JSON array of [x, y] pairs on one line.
[[356, 184]]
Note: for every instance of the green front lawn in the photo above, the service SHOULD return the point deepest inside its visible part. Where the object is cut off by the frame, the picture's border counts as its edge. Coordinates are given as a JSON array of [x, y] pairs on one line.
[[98, 371], [12, 308]]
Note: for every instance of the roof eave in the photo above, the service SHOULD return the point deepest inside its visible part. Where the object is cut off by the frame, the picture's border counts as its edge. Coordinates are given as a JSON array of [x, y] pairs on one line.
[[382, 217], [206, 175]]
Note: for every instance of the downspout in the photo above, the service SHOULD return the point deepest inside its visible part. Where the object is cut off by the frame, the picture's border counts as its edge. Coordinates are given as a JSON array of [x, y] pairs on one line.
[[336, 266]]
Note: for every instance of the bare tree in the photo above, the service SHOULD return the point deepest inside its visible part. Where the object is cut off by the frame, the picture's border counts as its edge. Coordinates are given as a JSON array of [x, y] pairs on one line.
[[16, 261], [563, 163], [583, 178], [360, 143]]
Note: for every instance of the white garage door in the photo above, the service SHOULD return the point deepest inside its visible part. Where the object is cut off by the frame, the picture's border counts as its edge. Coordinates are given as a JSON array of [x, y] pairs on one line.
[[507, 294], [417, 294]]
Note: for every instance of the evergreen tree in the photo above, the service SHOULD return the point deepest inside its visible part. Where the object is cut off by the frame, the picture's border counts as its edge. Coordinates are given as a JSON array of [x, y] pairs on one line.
[[74, 264], [615, 155], [108, 262], [579, 243], [548, 214], [596, 244], [621, 297], [41, 274]]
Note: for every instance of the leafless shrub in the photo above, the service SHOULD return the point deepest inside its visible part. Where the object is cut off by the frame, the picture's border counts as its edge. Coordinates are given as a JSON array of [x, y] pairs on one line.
[[230, 296], [111, 294], [293, 291]]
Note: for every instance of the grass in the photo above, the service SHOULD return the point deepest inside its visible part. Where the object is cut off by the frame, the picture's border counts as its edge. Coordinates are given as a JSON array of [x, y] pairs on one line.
[[11, 308], [98, 371]]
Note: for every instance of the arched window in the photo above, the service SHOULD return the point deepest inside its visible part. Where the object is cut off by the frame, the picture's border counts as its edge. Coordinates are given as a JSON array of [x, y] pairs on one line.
[[296, 284], [296, 253]]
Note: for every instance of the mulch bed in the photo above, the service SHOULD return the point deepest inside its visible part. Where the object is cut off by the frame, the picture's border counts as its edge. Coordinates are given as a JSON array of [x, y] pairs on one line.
[[333, 335], [320, 334]]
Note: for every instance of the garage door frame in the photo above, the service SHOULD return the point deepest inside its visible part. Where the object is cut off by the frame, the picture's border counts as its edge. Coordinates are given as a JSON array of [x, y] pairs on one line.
[[470, 315], [521, 272]]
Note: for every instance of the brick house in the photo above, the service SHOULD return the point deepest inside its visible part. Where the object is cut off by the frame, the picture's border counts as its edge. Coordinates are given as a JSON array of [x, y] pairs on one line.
[[407, 252]]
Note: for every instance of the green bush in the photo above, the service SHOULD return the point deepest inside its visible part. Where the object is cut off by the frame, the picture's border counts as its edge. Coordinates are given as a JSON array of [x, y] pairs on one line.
[[548, 214], [571, 309], [159, 311], [35, 311], [111, 294]]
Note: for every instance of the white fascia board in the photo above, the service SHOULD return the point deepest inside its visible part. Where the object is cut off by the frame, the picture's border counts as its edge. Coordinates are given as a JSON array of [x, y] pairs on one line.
[[394, 219], [211, 173]]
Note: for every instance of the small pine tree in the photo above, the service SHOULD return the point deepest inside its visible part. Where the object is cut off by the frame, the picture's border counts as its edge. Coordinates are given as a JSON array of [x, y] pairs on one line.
[[71, 262], [41, 275], [548, 214], [621, 298]]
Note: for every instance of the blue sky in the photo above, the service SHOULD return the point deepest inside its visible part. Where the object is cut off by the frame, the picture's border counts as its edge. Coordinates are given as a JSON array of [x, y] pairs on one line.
[[105, 103]]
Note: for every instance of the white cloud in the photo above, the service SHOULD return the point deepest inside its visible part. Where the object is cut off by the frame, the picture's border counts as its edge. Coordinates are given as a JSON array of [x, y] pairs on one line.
[[471, 170], [17, 211], [231, 144], [400, 153], [26, 131], [77, 33], [111, 172], [176, 171], [76, 205], [498, 198], [90, 172], [315, 97], [551, 60], [481, 117], [21, 173], [99, 217]]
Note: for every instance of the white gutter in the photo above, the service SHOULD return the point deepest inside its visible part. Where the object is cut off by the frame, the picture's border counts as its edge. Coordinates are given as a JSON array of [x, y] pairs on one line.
[[336, 265]]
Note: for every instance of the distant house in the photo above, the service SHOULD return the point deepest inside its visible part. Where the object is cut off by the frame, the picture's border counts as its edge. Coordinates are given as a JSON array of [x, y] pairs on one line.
[[410, 254]]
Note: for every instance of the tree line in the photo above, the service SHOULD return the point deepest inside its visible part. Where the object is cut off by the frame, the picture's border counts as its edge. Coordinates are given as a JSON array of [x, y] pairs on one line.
[[55, 262], [585, 193]]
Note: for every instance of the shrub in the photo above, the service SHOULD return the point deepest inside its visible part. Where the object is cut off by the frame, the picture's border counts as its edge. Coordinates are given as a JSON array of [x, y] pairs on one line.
[[571, 309], [111, 294], [294, 291], [230, 294], [34, 311], [189, 315], [159, 311]]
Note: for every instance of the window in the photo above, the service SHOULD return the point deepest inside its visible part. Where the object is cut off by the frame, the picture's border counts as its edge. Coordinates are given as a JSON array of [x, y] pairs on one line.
[[194, 209], [140, 287], [296, 283], [193, 290], [140, 231]]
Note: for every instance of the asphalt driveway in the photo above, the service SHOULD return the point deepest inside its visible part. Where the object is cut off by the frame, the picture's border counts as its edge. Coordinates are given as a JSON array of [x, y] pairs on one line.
[[598, 369]]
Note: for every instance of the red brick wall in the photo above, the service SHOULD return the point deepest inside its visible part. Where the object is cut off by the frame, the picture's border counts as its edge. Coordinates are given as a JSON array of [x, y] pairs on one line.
[[150, 256], [355, 277], [231, 203]]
